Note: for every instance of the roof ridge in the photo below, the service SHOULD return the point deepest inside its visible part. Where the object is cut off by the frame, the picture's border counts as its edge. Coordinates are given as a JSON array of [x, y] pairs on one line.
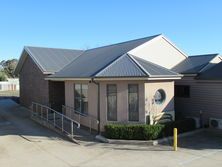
[[153, 36], [207, 72], [42, 47], [108, 65], [121, 57], [139, 65], [210, 54]]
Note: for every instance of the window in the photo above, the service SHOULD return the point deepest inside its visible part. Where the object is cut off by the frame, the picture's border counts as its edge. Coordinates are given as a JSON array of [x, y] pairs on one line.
[[182, 91], [133, 100], [81, 98], [111, 102], [159, 96]]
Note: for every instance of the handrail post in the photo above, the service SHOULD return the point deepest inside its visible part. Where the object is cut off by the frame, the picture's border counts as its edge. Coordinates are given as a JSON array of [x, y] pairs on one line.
[[54, 118], [72, 129], [90, 126], [32, 110], [41, 112], [47, 114], [62, 123], [36, 109]]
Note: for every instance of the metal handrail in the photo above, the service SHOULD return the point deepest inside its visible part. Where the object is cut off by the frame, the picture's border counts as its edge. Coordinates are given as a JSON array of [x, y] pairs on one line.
[[71, 110], [45, 112]]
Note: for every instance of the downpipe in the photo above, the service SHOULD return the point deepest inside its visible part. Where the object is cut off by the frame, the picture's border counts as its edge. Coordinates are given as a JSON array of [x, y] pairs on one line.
[[98, 102]]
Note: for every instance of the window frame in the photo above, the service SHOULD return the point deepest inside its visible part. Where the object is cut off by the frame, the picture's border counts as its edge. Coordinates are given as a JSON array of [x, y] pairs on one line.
[[185, 93], [163, 95], [81, 98], [107, 103], [137, 85]]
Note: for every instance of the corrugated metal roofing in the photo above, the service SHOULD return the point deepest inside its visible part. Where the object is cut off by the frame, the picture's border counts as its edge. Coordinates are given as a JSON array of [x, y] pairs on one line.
[[93, 61], [214, 73], [131, 66], [194, 64], [154, 69], [122, 67], [52, 59]]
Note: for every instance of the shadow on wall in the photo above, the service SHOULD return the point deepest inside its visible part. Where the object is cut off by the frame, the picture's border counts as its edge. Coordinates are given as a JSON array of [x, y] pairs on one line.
[[169, 106], [165, 114]]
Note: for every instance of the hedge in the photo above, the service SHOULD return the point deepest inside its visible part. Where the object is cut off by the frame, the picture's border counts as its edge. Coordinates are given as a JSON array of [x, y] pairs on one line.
[[147, 132]]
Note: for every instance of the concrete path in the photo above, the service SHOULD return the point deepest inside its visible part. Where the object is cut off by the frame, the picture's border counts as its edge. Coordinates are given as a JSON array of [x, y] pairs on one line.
[[25, 143]]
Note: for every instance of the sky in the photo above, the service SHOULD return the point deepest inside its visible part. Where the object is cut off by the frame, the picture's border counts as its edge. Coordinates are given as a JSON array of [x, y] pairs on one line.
[[195, 26]]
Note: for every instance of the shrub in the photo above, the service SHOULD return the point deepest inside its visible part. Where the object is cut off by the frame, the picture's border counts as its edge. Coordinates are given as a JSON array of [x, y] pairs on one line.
[[133, 132], [153, 131], [147, 132]]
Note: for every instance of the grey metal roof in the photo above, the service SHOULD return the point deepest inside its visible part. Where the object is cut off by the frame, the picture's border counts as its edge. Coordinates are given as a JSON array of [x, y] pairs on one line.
[[122, 67], [214, 73], [52, 59], [94, 60], [194, 64], [49, 60], [131, 66], [154, 70]]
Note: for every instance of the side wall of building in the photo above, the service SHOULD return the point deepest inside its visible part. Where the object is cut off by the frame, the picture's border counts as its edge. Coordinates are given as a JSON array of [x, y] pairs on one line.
[[205, 96], [33, 87]]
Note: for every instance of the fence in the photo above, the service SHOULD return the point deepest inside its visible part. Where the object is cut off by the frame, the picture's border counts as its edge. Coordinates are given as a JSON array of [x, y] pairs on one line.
[[10, 85]]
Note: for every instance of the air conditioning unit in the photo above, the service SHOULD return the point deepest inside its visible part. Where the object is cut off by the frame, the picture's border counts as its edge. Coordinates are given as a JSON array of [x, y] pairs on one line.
[[216, 123]]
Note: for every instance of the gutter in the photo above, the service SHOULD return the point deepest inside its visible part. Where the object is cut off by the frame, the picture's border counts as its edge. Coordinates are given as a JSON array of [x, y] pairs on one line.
[[190, 75], [98, 102]]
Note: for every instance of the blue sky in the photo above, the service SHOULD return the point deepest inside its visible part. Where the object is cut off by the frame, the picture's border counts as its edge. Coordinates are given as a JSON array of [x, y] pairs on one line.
[[195, 26]]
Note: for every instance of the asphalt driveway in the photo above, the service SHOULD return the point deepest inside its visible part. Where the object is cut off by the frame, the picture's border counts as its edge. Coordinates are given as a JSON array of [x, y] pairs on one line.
[[25, 143]]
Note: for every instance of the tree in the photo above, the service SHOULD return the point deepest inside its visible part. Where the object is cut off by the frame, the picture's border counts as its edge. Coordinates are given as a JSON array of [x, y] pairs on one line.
[[2, 76], [9, 67]]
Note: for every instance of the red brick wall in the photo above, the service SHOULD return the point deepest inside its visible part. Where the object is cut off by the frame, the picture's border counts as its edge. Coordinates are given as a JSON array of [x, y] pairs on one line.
[[33, 87]]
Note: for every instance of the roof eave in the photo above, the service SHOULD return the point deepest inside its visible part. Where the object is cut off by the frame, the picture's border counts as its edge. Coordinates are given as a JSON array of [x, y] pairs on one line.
[[66, 79], [114, 78], [140, 78], [48, 73], [190, 75]]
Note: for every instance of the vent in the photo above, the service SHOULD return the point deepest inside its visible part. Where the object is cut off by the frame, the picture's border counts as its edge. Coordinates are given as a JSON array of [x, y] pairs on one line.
[[216, 123]]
